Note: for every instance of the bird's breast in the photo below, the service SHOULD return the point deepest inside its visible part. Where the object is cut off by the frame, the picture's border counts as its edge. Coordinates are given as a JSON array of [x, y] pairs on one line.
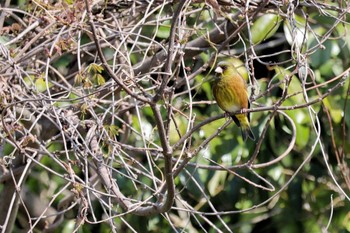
[[230, 95]]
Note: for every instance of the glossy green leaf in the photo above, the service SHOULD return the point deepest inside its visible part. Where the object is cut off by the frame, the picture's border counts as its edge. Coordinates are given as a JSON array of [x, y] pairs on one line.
[[265, 27]]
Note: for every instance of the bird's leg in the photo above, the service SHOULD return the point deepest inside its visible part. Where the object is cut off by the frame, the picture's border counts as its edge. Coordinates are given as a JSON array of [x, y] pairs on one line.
[[228, 115], [244, 111]]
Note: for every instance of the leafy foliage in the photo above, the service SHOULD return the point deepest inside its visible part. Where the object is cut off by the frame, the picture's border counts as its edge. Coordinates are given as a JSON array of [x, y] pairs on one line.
[[108, 121]]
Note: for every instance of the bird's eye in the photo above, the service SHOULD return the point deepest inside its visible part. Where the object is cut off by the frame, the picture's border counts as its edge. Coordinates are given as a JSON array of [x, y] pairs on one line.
[[224, 67]]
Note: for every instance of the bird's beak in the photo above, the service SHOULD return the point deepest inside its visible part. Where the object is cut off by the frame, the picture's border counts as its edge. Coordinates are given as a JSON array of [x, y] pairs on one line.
[[218, 70]]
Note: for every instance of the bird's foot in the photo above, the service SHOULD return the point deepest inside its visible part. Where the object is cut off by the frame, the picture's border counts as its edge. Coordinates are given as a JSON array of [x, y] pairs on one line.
[[227, 115], [244, 110]]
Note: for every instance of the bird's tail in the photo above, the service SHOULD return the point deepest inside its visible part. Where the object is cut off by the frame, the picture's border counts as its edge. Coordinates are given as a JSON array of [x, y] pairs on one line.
[[247, 133], [243, 122]]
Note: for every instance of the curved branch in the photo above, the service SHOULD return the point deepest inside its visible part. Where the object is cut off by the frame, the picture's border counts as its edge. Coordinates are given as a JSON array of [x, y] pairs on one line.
[[285, 153]]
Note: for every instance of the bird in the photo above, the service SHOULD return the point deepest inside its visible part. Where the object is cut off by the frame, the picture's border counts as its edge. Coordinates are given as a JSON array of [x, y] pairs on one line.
[[230, 92]]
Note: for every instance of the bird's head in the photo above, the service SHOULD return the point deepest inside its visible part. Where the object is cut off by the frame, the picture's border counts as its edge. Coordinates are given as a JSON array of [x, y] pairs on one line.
[[232, 67], [226, 69]]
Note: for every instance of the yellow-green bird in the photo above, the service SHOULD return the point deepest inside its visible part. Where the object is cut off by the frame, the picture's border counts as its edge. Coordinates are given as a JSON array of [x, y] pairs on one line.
[[230, 93]]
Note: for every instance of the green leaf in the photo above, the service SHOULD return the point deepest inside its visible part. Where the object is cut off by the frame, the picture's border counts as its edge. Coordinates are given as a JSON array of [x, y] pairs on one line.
[[38, 82], [321, 56], [300, 117], [8, 148], [276, 173], [244, 204], [29, 80], [178, 128], [95, 68], [164, 30], [40, 85], [55, 146], [112, 130], [336, 111], [265, 27], [68, 226], [294, 86], [333, 66], [72, 99], [217, 183], [100, 79]]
